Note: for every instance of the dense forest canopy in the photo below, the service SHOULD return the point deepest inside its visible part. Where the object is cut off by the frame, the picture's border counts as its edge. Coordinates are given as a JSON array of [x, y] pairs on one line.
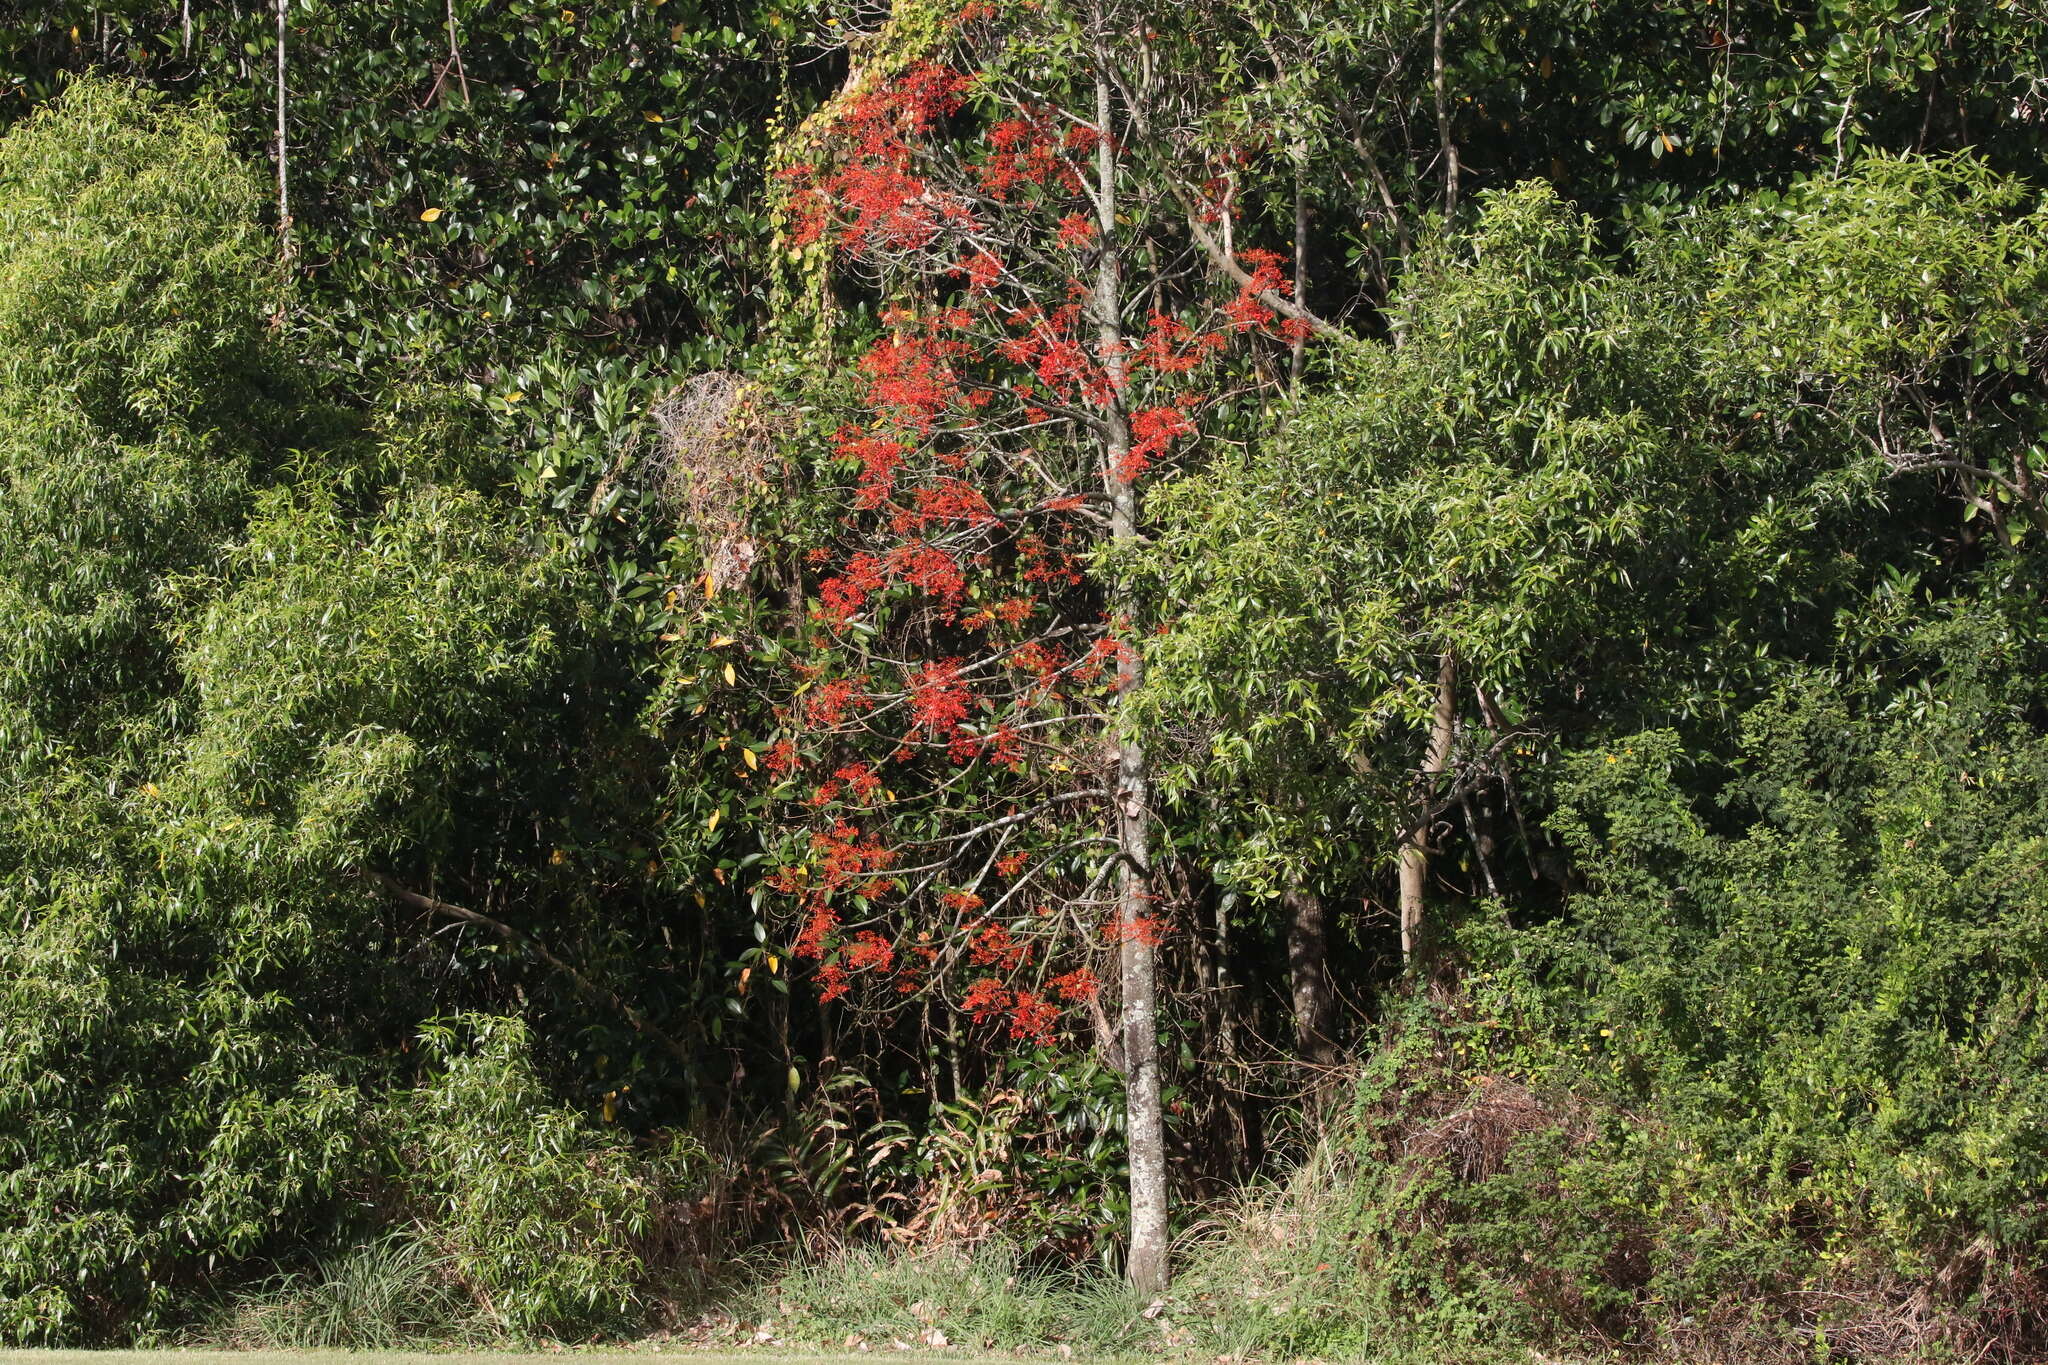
[[1382, 666]]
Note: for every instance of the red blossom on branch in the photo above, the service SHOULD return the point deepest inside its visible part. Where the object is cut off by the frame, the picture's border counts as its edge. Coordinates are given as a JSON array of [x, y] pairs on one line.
[[1153, 433], [938, 699]]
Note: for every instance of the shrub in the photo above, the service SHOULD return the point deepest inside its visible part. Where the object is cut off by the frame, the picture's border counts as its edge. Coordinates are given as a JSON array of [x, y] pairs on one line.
[[541, 1218]]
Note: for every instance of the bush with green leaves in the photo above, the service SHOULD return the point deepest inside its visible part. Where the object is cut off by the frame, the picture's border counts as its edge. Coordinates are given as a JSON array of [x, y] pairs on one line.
[[1615, 492], [542, 1219], [262, 646]]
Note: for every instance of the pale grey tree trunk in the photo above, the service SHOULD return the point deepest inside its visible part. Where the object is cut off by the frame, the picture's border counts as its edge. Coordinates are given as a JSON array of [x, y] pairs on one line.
[[1137, 954], [284, 201]]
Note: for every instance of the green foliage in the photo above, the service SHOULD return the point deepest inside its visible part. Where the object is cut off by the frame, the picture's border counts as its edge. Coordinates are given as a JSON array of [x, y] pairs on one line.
[[132, 289], [347, 675], [1610, 494], [250, 669], [1838, 1000], [381, 795], [541, 1218], [156, 1104]]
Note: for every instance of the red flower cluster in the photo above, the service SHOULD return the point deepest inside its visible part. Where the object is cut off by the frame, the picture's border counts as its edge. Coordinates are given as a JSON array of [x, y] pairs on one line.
[[1004, 748], [1047, 345], [946, 502], [878, 458], [1107, 653], [827, 706], [869, 951], [1153, 433], [860, 779], [1075, 986], [930, 570], [1029, 150], [847, 862], [1031, 1019], [994, 947], [980, 271], [1144, 929], [911, 380], [844, 594], [1077, 230], [938, 699], [881, 202], [1245, 311], [1044, 563], [1172, 347]]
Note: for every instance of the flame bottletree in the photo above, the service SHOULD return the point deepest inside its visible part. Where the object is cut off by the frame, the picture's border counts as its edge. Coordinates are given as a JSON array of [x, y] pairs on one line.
[[964, 818]]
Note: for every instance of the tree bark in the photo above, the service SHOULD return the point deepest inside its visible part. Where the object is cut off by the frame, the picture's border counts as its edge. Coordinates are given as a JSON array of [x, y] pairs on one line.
[[284, 201], [1137, 957], [1308, 970], [1447, 146], [1415, 843], [1297, 357]]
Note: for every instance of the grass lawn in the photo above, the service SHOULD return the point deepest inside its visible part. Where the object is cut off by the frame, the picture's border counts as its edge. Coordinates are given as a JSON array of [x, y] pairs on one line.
[[591, 1357]]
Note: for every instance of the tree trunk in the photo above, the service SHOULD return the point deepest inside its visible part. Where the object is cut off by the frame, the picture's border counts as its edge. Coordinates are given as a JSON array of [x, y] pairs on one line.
[[1138, 965], [1415, 844], [1308, 970], [284, 201]]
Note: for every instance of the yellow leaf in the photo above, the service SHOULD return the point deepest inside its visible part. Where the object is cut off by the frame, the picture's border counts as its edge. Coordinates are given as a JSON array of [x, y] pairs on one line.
[[751, 761], [429, 215], [712, 823], [720, 641], [611, 1104], [675, 35], [773, 962], [729, 676], [651, 116], [515, 396], [745, 972], [671, 635]]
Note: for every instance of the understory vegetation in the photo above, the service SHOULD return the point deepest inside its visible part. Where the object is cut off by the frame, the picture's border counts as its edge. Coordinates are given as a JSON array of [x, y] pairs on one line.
[[1366, 681]]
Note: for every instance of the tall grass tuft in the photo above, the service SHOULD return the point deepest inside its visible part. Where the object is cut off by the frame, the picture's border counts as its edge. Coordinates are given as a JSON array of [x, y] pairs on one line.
[[392, 1293], [979, 1297]]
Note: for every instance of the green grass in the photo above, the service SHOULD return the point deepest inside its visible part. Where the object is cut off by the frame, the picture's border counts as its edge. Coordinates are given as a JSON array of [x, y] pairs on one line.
[[594, 1357], [983, 1297]]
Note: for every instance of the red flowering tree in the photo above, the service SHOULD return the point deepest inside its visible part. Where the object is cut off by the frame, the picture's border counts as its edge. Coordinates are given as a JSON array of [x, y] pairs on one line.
[[1055, 316]]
